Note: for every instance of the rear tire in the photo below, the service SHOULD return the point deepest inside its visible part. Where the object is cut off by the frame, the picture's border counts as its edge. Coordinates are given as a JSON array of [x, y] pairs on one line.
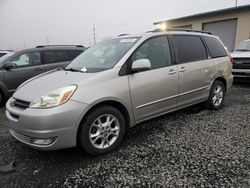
[[216, 96], [102, 130]]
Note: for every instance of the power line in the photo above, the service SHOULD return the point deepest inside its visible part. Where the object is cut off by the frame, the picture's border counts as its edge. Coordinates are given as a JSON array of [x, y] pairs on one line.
[[94, 33], [47, 40]]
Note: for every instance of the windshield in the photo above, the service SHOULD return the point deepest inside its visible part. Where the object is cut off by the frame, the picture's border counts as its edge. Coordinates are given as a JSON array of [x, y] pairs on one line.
[[102, 56], [244, 46], [6, 56]]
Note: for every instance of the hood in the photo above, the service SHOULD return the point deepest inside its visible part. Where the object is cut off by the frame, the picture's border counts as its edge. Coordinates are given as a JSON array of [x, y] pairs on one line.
[[41, 85], [240, 54]]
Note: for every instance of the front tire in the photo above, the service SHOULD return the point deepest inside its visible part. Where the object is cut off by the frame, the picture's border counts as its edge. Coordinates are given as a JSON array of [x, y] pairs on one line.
[[216, 96], [102, 130], [1, 99]]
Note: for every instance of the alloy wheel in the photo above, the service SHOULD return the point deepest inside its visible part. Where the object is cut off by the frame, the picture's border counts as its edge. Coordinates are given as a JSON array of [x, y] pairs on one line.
[[104, 131], [218, 95]]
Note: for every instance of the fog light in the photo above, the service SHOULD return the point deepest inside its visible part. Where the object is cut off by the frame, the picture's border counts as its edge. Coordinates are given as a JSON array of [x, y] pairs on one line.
[[40, 141]]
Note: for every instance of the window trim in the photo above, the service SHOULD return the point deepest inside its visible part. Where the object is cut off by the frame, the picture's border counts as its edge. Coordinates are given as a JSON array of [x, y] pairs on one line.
[[176, 52], [126, 67], [29, 65]]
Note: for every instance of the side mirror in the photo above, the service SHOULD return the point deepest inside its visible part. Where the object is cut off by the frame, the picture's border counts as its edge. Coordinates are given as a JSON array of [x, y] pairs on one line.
[[8, 65], [141, 65]]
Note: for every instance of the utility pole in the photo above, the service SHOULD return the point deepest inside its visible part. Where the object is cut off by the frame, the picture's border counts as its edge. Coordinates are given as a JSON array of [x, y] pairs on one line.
[[94, 33], [236, 3], [47, 40]]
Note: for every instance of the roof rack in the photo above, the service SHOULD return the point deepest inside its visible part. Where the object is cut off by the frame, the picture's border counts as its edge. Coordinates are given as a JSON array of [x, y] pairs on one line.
[[180, 29], [189, 30], [43, 46], [123, 34]]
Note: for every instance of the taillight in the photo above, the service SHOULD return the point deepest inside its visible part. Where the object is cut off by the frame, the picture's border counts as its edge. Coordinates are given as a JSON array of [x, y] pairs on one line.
[[231, 59]]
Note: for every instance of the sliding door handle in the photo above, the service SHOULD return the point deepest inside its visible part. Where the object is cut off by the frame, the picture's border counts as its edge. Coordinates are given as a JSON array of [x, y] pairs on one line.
[[172, 71], [183, 69]]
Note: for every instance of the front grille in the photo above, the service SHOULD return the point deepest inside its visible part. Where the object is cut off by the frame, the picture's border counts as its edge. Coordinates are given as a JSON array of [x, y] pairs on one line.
[[21, 137], [241, 63], [244, 74], [20, 104]]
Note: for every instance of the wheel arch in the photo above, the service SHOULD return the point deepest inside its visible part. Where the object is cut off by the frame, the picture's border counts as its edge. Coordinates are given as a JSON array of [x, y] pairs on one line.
[[223, 80], [114, 103], [4, 90]]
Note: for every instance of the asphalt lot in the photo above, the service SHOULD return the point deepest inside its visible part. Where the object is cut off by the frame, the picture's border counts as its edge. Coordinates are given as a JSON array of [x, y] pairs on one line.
[[193, 147]]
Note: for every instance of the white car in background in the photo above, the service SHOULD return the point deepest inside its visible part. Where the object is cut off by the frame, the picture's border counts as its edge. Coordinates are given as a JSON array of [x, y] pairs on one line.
[[4, 52], [241, 58]]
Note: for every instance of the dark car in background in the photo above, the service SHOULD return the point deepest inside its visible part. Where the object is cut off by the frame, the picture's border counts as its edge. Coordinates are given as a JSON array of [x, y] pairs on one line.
[[17, 67]]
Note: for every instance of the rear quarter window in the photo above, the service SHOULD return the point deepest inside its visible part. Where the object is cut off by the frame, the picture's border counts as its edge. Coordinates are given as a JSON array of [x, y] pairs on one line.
[[215, 47], [189, 48], [55, 56], [72, 54]]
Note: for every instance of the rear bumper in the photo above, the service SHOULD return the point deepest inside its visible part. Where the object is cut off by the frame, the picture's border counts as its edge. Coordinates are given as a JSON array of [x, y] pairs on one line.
[[230, 82]]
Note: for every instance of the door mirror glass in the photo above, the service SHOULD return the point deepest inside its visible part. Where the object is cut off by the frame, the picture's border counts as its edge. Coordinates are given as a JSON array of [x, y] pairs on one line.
[[8, 65], [141, 65]]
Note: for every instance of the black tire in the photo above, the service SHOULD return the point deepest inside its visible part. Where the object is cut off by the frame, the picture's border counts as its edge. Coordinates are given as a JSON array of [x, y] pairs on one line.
[[210, 104], [1, 99], [86, 127]]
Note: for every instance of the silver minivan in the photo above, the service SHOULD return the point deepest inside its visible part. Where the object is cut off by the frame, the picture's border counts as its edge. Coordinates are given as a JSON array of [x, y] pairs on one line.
[[117, 84]]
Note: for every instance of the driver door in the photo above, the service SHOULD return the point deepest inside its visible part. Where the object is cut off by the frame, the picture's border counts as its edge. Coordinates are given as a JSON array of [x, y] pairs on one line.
[[25, 66], [155, 91]]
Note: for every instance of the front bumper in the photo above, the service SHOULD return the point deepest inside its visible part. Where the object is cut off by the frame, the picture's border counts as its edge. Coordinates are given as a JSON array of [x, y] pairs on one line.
[[241, 73], [60, 124]]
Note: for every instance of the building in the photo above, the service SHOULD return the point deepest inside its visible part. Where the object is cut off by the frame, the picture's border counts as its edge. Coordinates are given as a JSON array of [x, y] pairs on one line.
[[232, 25]]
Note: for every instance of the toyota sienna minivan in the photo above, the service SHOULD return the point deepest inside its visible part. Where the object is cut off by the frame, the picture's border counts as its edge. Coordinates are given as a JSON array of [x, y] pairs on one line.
[[117, 84]]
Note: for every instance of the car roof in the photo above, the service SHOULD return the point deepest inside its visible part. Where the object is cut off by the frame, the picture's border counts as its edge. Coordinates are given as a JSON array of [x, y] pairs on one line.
[[41, 48]]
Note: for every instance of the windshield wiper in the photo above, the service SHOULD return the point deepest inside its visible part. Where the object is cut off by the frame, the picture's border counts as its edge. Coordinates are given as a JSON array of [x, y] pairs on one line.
[[74, 70]]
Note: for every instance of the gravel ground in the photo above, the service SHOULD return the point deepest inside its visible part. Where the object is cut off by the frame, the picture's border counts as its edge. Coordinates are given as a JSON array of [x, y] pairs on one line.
[[193, 147]]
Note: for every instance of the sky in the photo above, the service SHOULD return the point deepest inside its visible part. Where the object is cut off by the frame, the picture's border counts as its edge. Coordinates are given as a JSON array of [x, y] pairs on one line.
[[28, 23]]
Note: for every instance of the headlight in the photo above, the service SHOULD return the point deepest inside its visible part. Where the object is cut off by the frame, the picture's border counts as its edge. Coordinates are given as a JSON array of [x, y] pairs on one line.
[[54, 98]]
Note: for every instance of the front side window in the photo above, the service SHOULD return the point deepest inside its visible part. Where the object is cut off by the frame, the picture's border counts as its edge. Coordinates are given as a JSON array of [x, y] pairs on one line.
[[55, 56], [156, 50], [189, 48], [27, 59], [102, 56]]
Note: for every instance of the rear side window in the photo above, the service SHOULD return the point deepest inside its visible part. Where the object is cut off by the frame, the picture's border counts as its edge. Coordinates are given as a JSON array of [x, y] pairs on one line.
[[189, 48], [215, 47], [72, 54], [55, 56]]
